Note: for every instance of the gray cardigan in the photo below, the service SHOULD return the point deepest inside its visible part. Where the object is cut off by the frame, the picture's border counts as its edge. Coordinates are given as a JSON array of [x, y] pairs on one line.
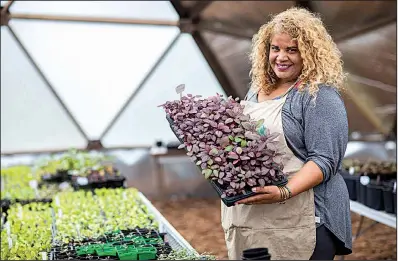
[[317, 130]]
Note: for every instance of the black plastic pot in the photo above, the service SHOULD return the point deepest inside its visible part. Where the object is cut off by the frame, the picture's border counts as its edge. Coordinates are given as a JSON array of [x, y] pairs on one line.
[[256, 254], [388, 200], [352, 184], [59, 177], [374, 197], [361, 193], [228, 201], [114, 183], [394, 197]]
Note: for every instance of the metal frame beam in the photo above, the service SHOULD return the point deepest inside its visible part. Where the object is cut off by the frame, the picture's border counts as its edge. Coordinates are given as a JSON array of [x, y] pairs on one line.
[[203, 46], [142, 83], [368, 29], [365, 104], [179, 8], [6, 7], [373, 83], [305, 4], [60, 18], [225, 28], [214, 64], [51, 151], [49, 85], [198, 9]]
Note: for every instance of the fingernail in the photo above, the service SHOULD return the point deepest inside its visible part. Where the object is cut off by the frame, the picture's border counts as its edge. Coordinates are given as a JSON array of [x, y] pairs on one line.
[[254, 189]]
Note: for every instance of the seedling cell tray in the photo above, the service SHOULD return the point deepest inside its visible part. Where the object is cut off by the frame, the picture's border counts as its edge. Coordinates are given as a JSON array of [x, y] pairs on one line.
[[228, 201]]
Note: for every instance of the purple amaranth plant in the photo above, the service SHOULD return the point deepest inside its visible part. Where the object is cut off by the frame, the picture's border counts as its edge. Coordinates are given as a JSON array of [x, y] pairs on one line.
[[230, 148]]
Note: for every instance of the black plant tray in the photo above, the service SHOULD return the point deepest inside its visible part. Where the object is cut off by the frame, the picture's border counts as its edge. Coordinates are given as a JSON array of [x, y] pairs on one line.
[[59, 177], [228, 201], [116, 182], [55, 253]]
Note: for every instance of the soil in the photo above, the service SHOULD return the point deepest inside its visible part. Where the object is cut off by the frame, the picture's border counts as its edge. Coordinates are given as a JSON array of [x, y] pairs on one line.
[[198, 221]]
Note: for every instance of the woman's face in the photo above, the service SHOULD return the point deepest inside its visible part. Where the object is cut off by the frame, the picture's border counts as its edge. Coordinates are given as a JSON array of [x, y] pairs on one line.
[[285, 58]]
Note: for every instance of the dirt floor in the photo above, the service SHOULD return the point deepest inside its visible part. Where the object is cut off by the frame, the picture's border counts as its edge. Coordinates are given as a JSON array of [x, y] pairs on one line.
[[198, 221]]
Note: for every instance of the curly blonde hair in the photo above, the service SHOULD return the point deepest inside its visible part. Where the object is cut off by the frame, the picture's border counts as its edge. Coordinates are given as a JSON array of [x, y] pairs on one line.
[[322, 61]]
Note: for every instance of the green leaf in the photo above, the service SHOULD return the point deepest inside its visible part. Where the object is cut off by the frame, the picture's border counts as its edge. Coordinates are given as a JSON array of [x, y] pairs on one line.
[[207, 173], [210, 162], [231, 137], [243, 143], [259, 123], [229, 148], [214, 151], [237, 139]]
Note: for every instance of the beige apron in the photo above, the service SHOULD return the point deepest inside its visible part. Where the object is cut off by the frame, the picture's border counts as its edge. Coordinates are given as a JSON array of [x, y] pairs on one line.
[[287, 230]]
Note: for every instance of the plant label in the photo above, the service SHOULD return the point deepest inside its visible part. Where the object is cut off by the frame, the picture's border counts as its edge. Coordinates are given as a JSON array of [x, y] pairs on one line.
[[395, 187], [9, 242], [180, 88], [64, 185], [56, 199], [351, 170], [44, 256], [365, 180], [8, 228], [82, 181], [20, 212], [33, 184], [60, 213]]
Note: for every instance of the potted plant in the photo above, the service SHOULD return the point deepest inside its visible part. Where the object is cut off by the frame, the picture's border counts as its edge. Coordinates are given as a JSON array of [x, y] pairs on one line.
[[232, 151]]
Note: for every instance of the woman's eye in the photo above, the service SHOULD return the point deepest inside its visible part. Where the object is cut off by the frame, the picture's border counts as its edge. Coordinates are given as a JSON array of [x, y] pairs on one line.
[[292, 50]]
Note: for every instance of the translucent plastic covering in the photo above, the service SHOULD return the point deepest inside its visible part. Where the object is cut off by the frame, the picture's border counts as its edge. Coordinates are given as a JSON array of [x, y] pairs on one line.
[[93, 67], [143, 122], [31, 117]]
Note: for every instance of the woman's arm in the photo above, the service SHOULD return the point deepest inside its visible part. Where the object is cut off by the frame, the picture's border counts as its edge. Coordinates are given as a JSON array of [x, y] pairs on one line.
[[306, 178]]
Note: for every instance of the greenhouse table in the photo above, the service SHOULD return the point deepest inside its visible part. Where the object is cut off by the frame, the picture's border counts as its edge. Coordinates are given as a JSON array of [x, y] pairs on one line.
[[376, 215], [176, 241]]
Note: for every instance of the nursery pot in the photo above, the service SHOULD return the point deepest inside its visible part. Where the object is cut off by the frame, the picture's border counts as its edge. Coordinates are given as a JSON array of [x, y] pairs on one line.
[[256, 254], [361, 193], [388, 197], [352, 183], [394, 197], [374, 197]]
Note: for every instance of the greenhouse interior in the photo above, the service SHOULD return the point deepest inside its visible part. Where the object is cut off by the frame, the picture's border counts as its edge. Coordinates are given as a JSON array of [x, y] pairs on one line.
[[91, 167]]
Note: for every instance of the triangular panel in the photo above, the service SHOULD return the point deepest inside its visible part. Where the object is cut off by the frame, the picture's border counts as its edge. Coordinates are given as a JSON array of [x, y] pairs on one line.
[[143, 122], [31, 117], [94, 68], [159, 10]]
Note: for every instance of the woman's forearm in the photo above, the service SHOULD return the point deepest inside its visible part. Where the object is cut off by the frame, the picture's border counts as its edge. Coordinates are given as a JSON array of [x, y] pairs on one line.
[[306, 178]]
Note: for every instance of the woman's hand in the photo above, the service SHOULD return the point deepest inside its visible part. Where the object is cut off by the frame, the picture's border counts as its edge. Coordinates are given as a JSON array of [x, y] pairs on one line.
[[267, 195]]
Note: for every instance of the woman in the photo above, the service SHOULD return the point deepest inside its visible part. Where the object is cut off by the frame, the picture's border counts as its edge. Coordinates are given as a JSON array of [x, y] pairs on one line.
[[297, 74]]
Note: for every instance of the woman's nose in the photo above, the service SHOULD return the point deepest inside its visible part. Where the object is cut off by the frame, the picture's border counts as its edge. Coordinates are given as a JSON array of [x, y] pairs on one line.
[[282, 56]]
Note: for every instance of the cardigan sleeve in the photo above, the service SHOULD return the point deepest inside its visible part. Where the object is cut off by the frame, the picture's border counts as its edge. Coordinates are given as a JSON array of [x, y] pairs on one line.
[[325, 130]]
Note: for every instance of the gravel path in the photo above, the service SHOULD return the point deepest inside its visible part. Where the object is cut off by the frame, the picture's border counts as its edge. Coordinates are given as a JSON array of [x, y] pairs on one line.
[[198, 221]]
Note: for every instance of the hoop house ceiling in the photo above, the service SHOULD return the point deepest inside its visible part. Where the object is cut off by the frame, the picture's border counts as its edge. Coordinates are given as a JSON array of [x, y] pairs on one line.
[[73, 72]]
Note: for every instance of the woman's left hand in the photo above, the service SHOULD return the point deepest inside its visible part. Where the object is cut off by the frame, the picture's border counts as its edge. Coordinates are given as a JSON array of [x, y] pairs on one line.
[[267, 195]]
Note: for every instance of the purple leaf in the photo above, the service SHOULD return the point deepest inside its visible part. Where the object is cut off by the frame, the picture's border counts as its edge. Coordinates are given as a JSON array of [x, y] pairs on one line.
[[229, 120], [224, 141], [232, 155], [235, 161]]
